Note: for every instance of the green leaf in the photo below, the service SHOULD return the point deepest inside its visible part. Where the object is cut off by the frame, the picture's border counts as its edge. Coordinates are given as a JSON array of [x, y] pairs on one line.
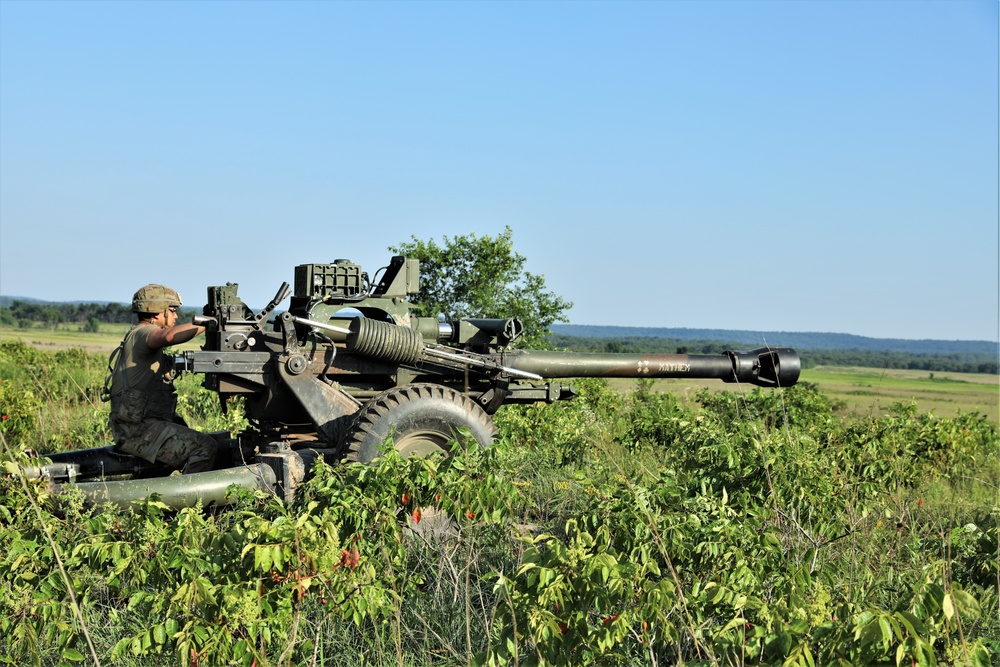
[[894, 624], [913, 625], [784, 643], [738, 621], [262, 556], [277, 555], [886, 630], [868, 634], [120, 647], [947, 607], [965, 604], [72, 655]]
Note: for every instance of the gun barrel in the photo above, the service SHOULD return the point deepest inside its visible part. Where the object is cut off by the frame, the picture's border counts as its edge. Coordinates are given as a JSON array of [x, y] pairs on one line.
[[765, 367]]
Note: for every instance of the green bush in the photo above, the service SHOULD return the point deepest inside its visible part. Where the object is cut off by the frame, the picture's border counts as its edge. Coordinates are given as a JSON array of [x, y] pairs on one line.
[[757, 527]]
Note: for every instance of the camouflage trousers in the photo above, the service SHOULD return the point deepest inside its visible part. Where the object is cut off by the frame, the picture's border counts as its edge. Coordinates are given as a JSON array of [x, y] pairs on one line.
[[168, 442]]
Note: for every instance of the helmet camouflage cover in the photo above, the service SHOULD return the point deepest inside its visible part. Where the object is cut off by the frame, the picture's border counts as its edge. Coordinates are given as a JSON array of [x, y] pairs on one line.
[[154, 299]]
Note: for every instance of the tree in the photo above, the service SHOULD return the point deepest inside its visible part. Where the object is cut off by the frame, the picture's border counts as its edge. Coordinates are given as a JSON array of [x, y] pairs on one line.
[[51, 317], [482, 276]]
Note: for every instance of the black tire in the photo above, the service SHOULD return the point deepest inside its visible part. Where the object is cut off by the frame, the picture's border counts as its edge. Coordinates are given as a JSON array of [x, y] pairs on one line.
[[420, 418]]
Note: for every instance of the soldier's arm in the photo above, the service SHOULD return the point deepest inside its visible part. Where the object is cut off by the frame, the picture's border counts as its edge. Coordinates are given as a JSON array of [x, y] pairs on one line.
[[175, 335]]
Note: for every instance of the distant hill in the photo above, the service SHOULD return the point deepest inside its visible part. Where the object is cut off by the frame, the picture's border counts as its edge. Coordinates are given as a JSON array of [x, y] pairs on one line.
[[797, 340]]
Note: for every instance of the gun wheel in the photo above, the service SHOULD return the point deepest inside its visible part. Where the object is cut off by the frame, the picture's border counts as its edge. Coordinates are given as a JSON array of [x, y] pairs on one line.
[[420, 419]]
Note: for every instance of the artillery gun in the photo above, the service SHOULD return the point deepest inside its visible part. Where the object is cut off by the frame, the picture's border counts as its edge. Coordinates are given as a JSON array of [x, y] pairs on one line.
[[349, 366]]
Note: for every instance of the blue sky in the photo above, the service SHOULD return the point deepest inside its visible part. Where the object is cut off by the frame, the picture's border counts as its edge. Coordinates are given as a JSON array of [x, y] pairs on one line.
[[789, 166]]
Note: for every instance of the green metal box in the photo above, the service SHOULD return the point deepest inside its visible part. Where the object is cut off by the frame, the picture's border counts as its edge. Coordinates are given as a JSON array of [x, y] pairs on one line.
[[323, 281]]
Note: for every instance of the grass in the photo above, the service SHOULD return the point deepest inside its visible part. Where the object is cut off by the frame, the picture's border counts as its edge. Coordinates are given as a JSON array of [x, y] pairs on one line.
[[872, 391]]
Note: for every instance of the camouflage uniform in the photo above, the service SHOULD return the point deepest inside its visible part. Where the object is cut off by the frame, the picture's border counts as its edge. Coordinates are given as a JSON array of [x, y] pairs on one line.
[[143, 419]]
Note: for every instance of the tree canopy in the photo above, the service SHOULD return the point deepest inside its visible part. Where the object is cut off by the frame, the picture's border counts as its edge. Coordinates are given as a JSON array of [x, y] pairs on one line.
[[482, 276]]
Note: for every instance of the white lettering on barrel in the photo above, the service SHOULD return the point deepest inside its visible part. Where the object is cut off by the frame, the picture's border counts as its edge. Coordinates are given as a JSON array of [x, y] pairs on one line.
[[675, 368]]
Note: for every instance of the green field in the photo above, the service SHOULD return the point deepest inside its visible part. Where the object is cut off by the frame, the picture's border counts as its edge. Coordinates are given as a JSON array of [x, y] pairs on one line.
[[69, 336], [870, 391], [865, 392]]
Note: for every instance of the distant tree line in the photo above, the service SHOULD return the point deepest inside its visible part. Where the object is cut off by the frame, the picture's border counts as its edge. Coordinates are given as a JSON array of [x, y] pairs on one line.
[[795, 339], [966, 362], [960, 362], [88, 316]]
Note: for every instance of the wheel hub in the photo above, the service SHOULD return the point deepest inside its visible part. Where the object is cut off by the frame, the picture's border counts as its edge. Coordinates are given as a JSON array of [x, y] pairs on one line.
[[422, 443]]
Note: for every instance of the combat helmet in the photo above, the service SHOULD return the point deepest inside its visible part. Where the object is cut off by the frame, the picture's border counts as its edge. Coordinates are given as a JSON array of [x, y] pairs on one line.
[[154, 299]]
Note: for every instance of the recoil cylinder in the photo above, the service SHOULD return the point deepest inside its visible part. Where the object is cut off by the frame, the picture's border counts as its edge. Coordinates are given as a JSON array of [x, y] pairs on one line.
[[382, 340]]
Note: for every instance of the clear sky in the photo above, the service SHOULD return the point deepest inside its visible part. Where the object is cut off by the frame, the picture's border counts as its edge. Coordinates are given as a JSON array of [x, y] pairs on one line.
[[775, 166]]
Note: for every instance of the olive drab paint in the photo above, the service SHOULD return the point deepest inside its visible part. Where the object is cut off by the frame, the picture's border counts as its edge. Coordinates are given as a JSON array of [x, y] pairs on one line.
[[349, 365]]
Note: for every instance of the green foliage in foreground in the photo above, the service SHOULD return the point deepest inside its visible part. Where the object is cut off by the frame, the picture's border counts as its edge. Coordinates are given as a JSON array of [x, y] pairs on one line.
[[616, 529]]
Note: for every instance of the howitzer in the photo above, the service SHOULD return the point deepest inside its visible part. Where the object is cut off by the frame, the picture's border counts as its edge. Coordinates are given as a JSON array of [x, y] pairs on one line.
[[349, 366]]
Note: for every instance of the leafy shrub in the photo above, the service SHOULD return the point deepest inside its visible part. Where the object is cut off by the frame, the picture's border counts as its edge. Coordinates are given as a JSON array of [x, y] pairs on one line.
[[757, 528], [19, 408]]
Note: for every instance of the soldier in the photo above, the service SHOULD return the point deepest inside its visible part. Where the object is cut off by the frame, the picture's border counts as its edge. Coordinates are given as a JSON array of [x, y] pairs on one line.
[[144, 420]]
